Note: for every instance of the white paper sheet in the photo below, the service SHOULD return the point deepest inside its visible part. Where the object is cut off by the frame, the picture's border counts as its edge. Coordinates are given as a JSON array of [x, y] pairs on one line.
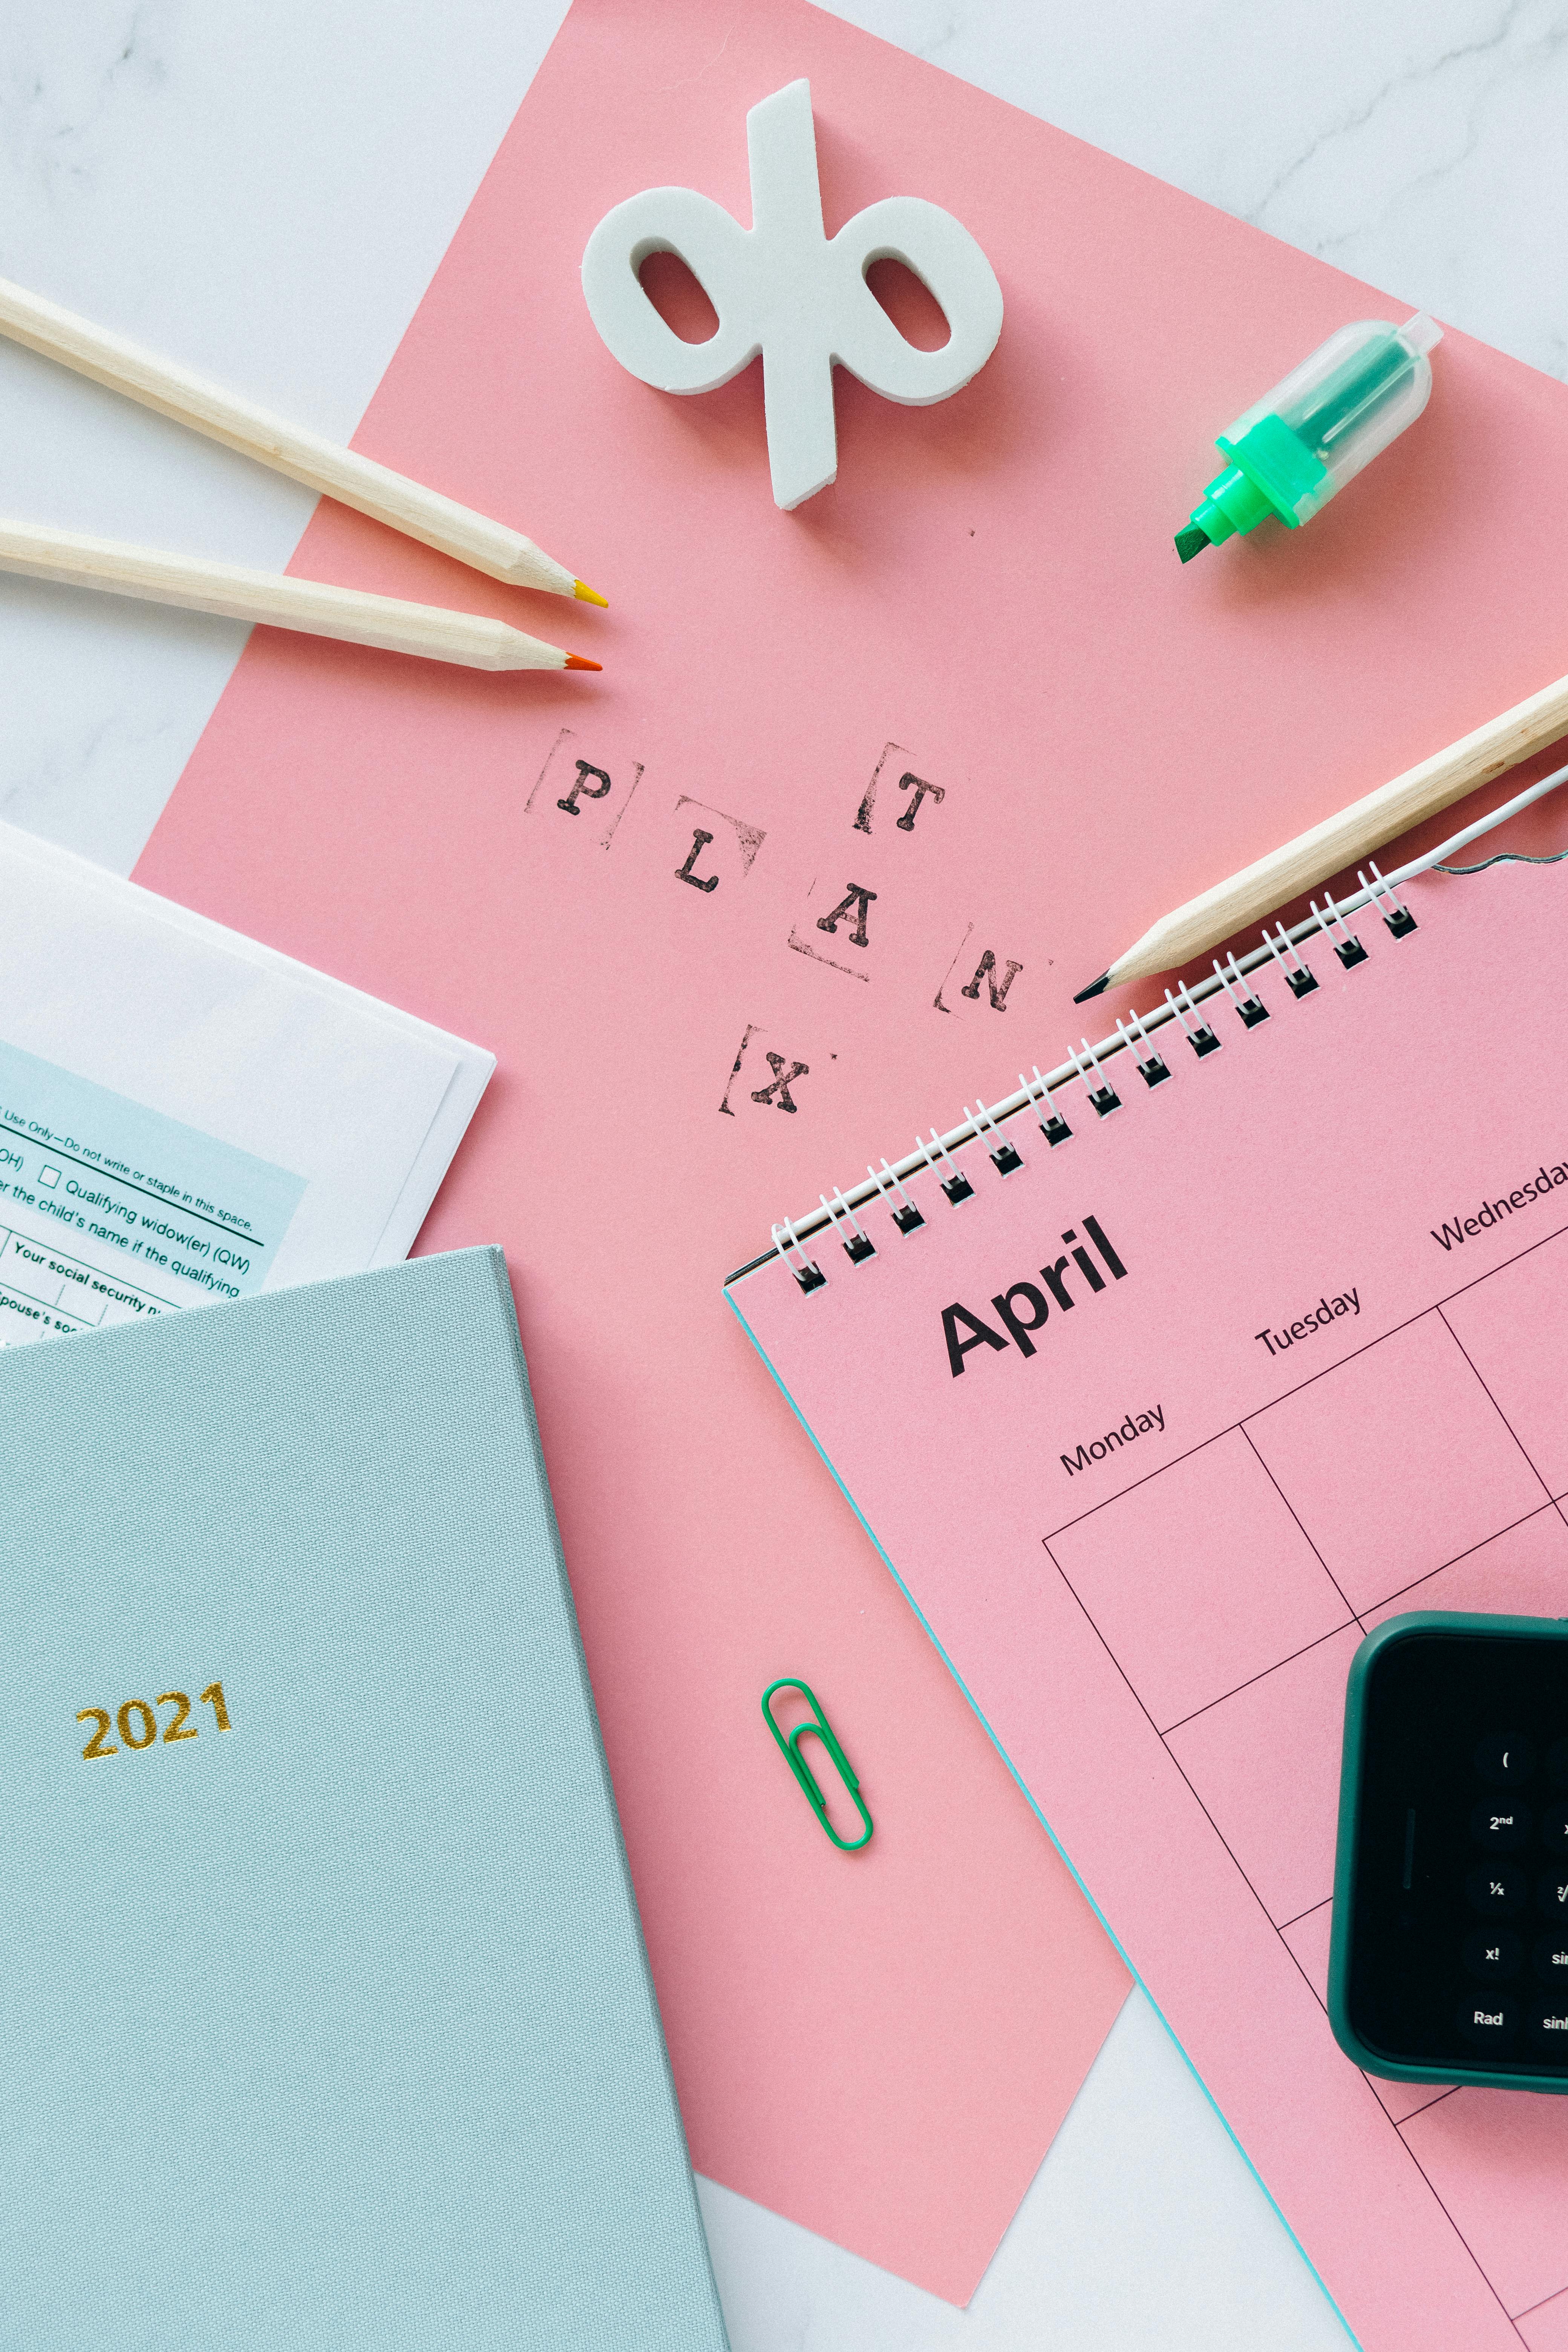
[[185, 1115]]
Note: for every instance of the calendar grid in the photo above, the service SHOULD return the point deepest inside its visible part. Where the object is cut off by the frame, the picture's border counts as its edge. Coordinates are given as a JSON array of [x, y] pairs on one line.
[[1437, 1306], [1305, 1549]]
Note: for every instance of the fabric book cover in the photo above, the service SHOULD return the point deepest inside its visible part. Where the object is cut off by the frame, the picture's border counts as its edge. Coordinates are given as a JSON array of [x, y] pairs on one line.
[[327, 2016]]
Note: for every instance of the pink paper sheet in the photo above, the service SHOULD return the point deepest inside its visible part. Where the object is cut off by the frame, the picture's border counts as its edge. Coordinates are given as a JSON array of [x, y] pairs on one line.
[[1158, 1628], [987, 601]]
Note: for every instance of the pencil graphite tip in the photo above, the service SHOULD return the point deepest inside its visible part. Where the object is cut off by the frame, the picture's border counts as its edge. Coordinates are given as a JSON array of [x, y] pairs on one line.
[[580, 661], [589, 595], [1190, 539], [1095, 988]]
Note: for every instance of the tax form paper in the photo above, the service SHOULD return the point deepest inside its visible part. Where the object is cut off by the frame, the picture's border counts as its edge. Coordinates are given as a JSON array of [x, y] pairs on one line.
[[1300, 1367], [186, 1116]]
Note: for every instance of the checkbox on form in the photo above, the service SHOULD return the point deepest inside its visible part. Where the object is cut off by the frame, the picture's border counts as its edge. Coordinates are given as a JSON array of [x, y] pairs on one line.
[[50, 1176]]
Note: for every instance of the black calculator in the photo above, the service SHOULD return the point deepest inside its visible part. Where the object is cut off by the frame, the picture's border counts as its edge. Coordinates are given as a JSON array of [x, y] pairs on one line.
[[1449, 1958]]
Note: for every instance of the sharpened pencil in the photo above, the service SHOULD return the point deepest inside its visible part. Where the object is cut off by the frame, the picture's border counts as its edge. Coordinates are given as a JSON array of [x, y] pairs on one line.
[[277, 599], [305, 457], [1301, 864]]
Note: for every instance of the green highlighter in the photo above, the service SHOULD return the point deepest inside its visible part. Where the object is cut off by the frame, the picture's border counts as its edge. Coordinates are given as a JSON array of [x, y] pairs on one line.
[[1290, 451]]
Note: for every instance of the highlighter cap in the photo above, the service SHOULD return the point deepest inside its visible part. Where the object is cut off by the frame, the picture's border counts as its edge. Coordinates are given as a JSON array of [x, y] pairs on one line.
[[1292, 451]]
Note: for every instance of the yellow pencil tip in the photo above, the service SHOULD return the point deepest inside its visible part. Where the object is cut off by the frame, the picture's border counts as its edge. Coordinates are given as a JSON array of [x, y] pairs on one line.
[[590, 595], [580, 661]]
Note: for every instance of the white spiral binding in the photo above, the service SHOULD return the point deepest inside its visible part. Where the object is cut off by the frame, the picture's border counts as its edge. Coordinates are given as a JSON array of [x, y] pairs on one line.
[[1201, 1038], [1005, 1153], [861, 1246], [1347, 946], [1299, 977], [809, 1275], [1151, 1068], [1396, 914], [1102, 1096], [1280, 946], [1186, 1009], [1246, 1001], [956, 1185], [906, 1212], [1049, 1117]]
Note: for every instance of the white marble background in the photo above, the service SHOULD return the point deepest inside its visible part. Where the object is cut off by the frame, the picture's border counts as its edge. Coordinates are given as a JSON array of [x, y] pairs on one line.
[[264, 189]]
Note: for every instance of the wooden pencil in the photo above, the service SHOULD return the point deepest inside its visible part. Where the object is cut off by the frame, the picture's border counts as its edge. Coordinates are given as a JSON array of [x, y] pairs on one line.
[[276, 598], [1301, 864], [292, 449]]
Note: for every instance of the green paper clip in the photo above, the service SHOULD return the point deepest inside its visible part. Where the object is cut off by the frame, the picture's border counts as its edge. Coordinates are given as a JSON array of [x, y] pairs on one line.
[[789, 1744]]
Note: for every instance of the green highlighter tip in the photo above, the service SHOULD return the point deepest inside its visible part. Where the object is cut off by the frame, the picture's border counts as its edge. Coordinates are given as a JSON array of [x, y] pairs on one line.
[[1190, 539]]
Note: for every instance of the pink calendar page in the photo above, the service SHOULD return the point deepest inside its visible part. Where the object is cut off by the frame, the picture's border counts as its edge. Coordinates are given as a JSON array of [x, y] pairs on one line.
[[889, 777], [1304, 1364]]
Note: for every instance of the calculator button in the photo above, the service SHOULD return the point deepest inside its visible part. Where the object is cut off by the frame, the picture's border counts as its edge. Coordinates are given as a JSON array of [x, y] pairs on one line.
[[1549, 2029], [1504, 1763], [1501, 1827], [1554, 1828], [1550, 1957], [1494, 1954], [1552, 1894], [1500, 1889], [1491, 2021]]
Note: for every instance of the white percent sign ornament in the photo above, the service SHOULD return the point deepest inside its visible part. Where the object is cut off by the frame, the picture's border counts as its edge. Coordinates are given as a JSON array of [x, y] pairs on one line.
[[787, 289]]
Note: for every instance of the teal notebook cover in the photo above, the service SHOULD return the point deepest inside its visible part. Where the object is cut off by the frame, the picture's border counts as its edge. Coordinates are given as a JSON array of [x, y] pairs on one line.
[[332, 2028]]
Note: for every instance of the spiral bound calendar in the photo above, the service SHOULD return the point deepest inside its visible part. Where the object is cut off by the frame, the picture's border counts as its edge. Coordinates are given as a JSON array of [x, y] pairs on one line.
[[1158, 1384]]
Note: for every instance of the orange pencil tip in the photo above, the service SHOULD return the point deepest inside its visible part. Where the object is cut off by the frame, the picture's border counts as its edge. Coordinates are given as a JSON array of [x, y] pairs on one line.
[[580, 661], [590, 595]]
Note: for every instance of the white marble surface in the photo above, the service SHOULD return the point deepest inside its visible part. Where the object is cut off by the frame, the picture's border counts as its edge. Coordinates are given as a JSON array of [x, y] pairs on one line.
[[266, 190], [1144, 2231]]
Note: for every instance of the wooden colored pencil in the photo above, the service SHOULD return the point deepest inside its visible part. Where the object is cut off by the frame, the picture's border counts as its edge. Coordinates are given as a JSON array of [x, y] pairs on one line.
[[277, 599], [292, 449], [1301, 864]]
